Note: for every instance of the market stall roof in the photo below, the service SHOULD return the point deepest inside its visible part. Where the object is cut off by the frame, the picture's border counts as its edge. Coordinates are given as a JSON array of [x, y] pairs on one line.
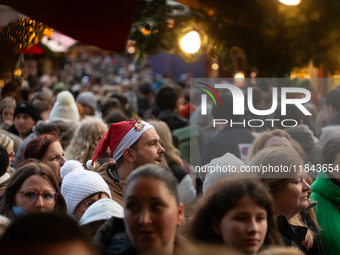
[[105, 23]]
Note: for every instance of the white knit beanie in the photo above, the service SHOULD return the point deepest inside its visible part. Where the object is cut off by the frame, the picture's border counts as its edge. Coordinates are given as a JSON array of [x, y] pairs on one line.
[[79, 184], [65, 107], [228, 161]]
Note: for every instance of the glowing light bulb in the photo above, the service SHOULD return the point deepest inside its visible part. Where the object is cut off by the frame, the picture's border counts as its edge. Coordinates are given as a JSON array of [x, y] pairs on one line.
[[290, 2], [214, 66], [131, 50], [239, 77], [191, 42]]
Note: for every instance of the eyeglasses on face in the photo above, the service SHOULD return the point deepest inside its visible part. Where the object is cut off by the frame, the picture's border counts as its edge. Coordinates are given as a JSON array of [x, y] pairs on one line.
[[88, 204], [12, 154], [29, 196]]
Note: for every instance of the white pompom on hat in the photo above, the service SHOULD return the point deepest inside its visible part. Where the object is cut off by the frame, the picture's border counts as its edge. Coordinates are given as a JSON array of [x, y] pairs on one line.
[[65, 107], [79, 184]]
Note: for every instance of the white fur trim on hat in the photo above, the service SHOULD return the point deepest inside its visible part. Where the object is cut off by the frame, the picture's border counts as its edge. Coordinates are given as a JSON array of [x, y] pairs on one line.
[[65, 107], [103, 209], [130, 137], [79, 184]]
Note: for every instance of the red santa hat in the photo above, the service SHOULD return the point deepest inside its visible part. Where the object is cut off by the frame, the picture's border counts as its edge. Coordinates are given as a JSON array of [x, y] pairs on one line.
[[120, 135]]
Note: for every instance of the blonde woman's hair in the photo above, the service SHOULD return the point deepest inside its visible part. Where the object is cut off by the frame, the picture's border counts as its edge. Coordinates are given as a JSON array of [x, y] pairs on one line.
[[171, 154], [285, 157], [7, 142], [261, 140], [85, 140]]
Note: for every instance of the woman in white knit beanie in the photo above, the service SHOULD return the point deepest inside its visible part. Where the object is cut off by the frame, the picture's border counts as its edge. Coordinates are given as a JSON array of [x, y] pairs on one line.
[[81, 188]]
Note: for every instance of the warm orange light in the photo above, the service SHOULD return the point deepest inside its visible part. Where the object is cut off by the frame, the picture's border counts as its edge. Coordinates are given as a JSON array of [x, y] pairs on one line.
[[144, 31], [291, 2]]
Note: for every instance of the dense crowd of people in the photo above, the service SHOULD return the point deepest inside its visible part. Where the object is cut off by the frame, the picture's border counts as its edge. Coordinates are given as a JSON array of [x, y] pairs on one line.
[[102, 159]]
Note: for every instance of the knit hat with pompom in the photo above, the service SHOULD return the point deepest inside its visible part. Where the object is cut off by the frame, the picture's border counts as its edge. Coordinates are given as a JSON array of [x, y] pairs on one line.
[[79, 184], [65, 107]]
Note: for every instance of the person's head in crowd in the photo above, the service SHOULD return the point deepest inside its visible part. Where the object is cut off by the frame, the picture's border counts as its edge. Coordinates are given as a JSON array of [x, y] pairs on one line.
[[8, 143], [327, 133], [65, 107], [41, 96], [43, 110], [59, 87], [115, 116], [32, 188], [25, 117], [333, 105], [228, 160], [299, 149], [292, 113], [108, 105], [171, 154], [7, 111], [4, 164], [132, 143], [166, 98], [216, 219], [12, 89], [85, 140], [98, 213], [289, 188], [258, 98], [47, 233], [81, 188], [225, 111], [88, 101], [331, 157], [152, 209], [48, 150], [268, 138], [124, 102]]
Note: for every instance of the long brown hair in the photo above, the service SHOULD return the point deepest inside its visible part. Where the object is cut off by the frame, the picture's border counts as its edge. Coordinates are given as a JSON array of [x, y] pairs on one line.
[[31, 167]]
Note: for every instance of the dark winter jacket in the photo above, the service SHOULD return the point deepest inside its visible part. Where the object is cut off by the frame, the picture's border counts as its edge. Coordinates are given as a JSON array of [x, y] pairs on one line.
[[173, 120], [111, 238], [292, 235]]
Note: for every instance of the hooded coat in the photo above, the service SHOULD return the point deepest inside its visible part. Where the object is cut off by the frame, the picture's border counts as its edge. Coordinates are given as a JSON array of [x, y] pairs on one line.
[[327, 197]]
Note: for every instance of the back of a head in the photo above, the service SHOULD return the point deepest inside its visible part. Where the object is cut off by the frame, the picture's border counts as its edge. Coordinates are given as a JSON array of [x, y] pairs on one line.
[[115, 116], [108, 105], [225, 111], [45, 233], [327, 133], [330, 149], [166, 98], [292, 113], [260, 141], [332, 99]]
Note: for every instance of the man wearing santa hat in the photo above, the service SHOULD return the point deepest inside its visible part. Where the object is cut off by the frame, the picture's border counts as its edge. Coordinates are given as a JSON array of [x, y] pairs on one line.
[[132, 143]]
